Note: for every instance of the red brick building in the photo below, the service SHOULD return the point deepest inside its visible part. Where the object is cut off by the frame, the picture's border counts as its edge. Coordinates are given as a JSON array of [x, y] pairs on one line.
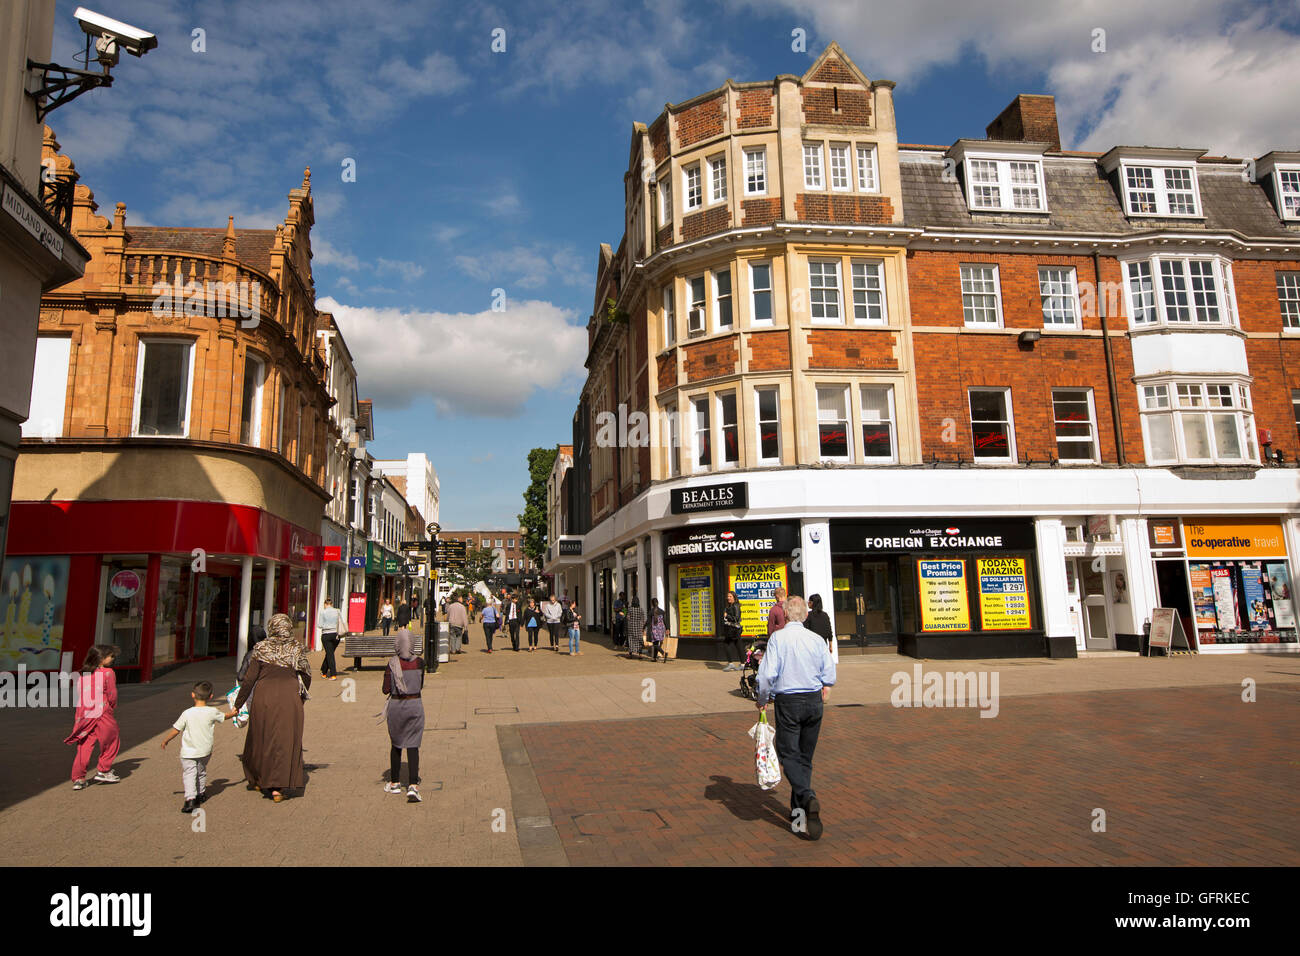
[[987, 399]]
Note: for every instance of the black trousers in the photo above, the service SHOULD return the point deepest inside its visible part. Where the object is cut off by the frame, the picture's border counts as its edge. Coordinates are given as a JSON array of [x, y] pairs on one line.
[[386, 623], [554, 629], [488, 631], [620, 631], [532, 637], [395, 764], [331, 643], [730, 646], [798, 724], [514, 633]]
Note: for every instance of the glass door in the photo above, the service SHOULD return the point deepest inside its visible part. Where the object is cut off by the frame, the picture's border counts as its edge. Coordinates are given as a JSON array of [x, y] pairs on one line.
[[846, 603], [879, 603], [1096, 619]]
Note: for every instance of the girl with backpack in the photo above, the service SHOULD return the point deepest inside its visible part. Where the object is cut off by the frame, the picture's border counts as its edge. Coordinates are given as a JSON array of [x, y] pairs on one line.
[[571, 619], [657, 627]]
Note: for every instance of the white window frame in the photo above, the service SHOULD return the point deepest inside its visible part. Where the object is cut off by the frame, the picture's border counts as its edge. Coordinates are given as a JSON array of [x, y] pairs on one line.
[[718, 297], [695, 188], [1289, 304], [1158, 312], [755, 170], [1159, 189], [891, 421], [1065, 290], [755, 290], [1093, 443], [868, 266], [968, 310], [665, 202], [674, 440], [842, 152], [872, 168], [701, 304], [1005, 183], [1286, 186], [818, 388], [696, 403], [1010, 422], [719, 438], [813, 152], [717, 178], [670, 316], [1166, 401], [139, 384], [759, 421], [48, 409], [838, 318]]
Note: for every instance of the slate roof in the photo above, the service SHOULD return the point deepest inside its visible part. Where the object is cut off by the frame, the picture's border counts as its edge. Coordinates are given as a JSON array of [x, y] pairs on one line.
[[1083, 199], [252, 246]]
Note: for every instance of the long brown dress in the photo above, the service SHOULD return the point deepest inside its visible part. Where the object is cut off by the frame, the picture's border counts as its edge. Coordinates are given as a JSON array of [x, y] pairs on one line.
[[272, 754]]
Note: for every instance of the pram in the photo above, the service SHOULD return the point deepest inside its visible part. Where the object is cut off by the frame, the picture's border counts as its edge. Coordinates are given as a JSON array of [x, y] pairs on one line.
[[749, 669]]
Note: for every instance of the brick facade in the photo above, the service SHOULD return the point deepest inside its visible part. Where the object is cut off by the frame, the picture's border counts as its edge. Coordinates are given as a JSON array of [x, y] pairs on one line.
[[852, 349], [666, 365], [711, 359], [700, 224], [759, 212], [702, 121], [769, 351], [756, 109], [819, 207], [819, 107]]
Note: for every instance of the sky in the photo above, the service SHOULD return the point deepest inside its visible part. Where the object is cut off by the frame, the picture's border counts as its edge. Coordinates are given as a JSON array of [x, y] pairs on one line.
[[481, 169]]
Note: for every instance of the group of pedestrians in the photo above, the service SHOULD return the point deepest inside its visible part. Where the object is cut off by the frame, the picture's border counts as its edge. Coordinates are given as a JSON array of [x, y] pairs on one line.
[[508, 613], [402, 614], [638, 630]]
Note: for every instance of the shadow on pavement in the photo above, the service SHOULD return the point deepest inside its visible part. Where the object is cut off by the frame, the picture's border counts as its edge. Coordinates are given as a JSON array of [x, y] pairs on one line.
[[747, 801]]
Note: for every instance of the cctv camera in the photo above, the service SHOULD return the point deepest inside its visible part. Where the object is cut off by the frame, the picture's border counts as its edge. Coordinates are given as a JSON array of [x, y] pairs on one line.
[[114, 33]]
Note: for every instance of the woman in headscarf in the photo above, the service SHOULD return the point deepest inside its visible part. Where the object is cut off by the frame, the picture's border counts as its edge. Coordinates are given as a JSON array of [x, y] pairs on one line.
[[818, 621], [279, 671], [403, 681]]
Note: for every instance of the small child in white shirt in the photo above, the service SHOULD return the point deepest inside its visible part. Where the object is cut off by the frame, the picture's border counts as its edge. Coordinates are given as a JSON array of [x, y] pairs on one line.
[[197, 727]]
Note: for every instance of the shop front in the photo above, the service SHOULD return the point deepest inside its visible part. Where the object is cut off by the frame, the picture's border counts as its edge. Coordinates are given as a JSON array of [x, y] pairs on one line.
[[703, 562], [937, 587], [1229, 579], [160, 579]]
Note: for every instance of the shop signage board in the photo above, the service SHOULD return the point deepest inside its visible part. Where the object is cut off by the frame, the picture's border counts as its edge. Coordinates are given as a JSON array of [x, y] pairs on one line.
[[930, 535], [357, 612], [357, 561], [1167, 630], [571, 547], [1004, 594], [331, 553], [943, 595], [1234, 537], [695, 600], [725, 497], [755, 583], [721, 540], [32, 221]]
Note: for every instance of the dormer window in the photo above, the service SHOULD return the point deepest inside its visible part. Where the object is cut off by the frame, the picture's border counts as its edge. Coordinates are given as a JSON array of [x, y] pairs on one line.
[[1005, 185], [1160, 190], [1288, 191]]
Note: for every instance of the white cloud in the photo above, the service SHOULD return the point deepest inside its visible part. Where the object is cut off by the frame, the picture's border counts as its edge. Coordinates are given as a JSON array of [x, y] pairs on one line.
[[408, 271], [482, 364], [323, 253], [1218, 74], [528, 267], [504, 203]]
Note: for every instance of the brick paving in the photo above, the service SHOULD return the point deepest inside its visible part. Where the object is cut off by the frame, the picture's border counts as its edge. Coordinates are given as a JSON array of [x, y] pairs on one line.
[[491, 752], [1185, 777]]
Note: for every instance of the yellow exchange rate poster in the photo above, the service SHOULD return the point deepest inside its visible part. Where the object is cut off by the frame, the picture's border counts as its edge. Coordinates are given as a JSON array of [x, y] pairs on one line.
[[754, 583]]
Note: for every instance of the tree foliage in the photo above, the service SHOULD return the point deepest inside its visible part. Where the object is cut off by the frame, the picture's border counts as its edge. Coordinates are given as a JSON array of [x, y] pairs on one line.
[[533, 520]]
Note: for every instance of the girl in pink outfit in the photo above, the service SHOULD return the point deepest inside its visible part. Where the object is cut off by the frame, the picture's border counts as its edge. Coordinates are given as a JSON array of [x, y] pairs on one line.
[[95, 724]]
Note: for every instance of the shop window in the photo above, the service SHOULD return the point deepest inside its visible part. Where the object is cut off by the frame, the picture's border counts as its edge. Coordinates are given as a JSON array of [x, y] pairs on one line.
[[49, 388], [992, 435], [162, 393], [122, 587], [1075, 422], [769, 425], [869, 292], [878, 444], [833, 423], [760, 285], [1198, 422]]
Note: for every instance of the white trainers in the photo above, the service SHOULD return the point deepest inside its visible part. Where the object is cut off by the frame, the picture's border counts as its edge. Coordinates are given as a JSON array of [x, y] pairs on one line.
[[412, 794], [78, 785], [107, 776], [392, 788]]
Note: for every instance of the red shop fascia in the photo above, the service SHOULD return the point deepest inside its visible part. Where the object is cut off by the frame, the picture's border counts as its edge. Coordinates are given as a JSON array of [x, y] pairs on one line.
[[87, 531]]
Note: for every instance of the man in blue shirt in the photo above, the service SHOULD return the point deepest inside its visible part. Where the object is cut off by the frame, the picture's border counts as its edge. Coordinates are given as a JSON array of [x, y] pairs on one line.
[[797, 674]]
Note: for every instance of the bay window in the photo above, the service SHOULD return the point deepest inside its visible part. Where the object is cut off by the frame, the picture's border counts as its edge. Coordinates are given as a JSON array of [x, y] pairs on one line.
[[729, 428], [760, 287], [163, 388], [1179, 290], [1201, 422], [701, 447], [869, 292], [824, 290]]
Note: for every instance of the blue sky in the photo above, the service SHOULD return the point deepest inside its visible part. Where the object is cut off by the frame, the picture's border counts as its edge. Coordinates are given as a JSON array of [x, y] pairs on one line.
[[478, 170]]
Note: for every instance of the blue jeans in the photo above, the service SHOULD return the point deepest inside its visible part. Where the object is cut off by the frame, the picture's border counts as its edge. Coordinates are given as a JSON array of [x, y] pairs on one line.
[[798, 724], [574, 637]]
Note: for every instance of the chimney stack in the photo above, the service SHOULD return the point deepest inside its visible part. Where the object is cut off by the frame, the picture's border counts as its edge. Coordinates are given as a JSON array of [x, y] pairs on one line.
[[1031, 118]]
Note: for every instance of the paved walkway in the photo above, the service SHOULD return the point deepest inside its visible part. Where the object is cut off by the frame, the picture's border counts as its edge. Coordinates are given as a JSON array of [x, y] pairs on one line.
[[490, 773]]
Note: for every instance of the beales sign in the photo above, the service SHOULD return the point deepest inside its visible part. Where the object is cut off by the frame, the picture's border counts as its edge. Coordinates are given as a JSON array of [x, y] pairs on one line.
[[726, 497]]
